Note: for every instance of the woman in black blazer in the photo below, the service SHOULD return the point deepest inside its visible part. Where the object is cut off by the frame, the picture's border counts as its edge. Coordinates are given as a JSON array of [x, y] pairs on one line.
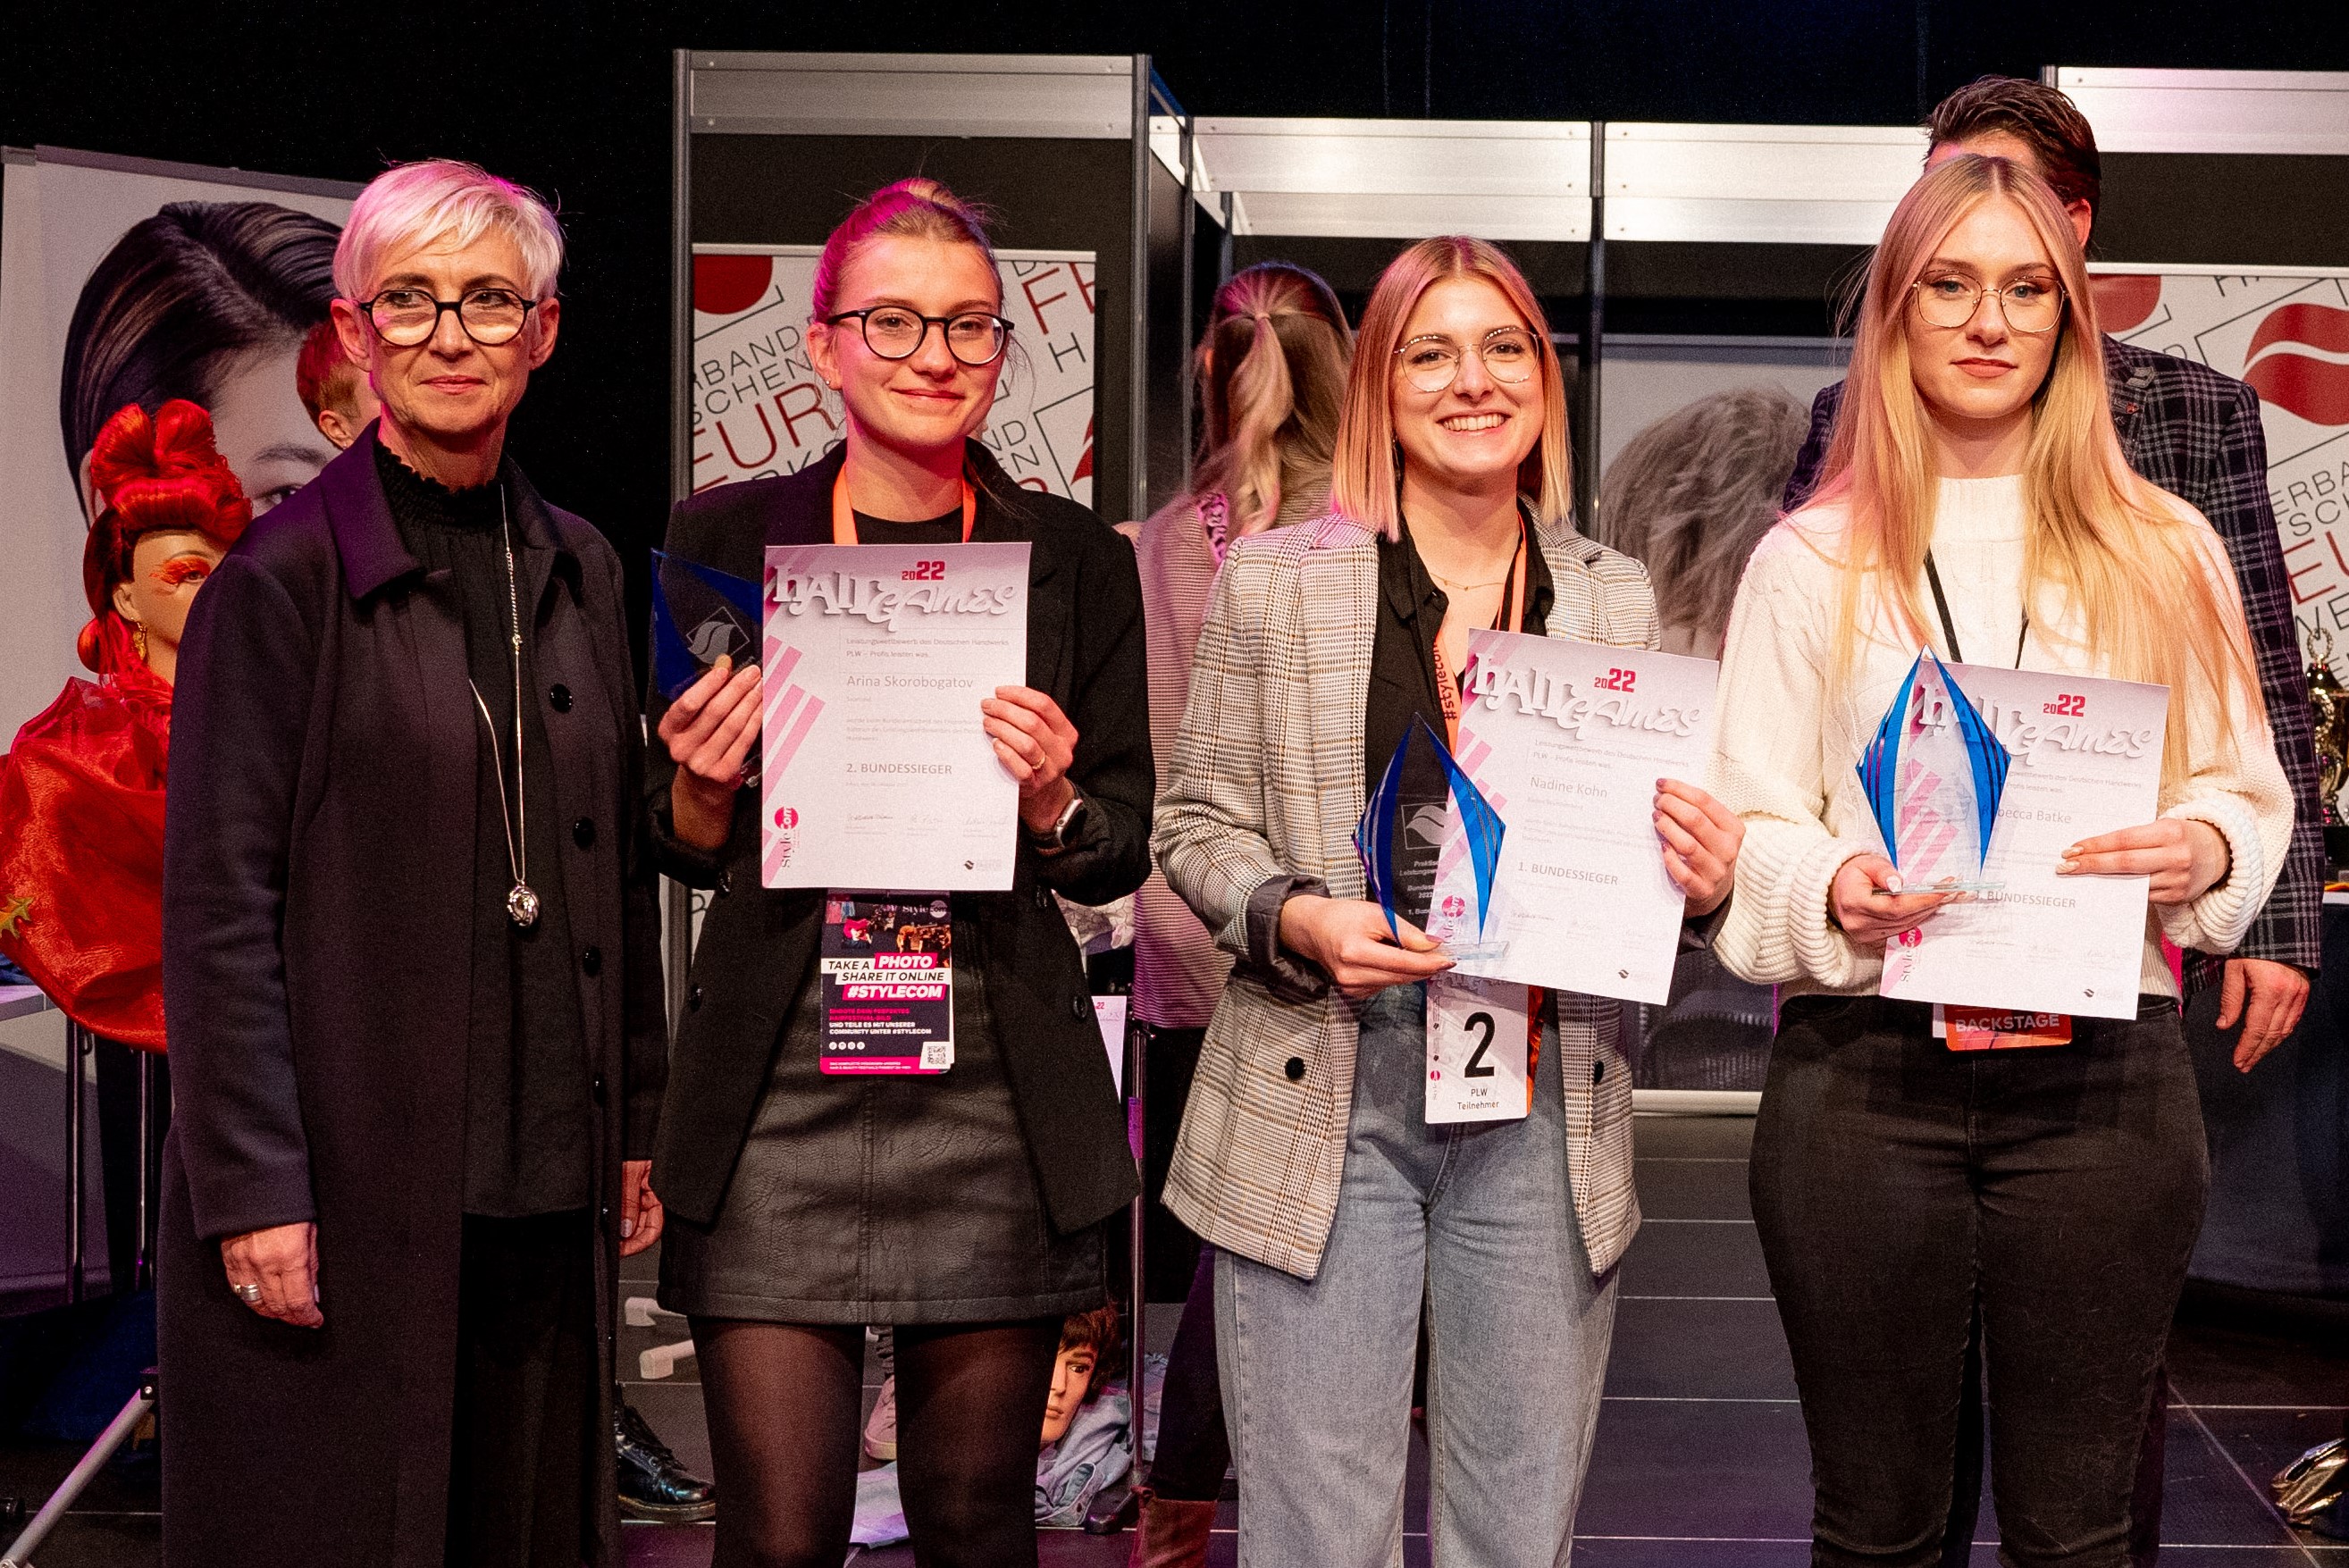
[[966, 1208]]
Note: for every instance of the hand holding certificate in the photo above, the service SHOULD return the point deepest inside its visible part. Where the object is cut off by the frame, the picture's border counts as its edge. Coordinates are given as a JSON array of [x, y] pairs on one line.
[[878, 768], [2085, 761], [1568, 741]]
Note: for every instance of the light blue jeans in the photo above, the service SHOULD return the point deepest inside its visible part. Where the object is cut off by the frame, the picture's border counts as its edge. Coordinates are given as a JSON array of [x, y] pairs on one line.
[[1473, 1225]]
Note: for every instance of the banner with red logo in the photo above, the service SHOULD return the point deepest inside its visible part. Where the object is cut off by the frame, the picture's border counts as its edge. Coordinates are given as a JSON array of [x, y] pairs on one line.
[[760, 408], [2288, 336]]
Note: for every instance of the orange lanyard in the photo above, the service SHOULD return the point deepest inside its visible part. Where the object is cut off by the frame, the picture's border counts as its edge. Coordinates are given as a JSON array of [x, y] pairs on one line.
[[843, 516], [1513, 611], [1447, 692]]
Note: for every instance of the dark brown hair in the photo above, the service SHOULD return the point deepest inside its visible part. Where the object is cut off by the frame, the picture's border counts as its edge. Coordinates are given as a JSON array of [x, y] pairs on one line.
[[178, 297], [2039, 117], [1100, 1331]]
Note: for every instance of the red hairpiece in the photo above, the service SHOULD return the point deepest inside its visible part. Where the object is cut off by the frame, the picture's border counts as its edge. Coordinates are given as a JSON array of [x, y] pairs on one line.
[[151, 473]]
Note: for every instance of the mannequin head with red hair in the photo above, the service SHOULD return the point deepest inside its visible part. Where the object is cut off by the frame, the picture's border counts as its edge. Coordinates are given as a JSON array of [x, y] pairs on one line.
[[169, 510]]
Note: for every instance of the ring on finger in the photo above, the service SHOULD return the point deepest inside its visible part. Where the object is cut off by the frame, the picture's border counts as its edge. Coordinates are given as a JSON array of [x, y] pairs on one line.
[[248, 1294]]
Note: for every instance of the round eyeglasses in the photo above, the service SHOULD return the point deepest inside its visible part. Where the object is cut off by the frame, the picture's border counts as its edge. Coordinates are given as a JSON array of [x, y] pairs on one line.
[[893, 332], [1508, 354], [2026, 306], [405, 317]]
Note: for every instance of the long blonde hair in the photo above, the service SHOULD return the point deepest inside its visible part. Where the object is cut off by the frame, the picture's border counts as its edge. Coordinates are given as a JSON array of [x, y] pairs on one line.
[[1364, 474], [1272, 377], [2140, 579]]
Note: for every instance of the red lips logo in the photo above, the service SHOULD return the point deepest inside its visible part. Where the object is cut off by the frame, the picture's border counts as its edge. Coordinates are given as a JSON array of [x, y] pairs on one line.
[[2293, 378]]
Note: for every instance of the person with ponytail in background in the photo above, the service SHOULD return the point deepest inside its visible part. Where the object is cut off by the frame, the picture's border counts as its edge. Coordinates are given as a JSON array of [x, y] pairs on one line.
[[1271, 372], [82, 794], [966, 1208]]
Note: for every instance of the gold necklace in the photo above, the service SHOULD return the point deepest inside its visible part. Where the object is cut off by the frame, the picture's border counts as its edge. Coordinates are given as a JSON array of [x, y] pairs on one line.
[[1468, 587]]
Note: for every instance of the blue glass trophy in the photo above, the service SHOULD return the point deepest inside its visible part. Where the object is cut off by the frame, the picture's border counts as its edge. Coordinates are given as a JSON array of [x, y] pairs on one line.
[[1933, 777], [699, 614], [1410, 849]]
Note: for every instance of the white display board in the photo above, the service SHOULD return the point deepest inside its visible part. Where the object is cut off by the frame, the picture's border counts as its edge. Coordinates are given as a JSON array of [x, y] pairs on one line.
[[759, 407], [2287, 334]]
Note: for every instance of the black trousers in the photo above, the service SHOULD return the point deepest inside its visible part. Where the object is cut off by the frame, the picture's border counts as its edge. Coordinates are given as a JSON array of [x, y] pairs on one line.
[[1170, 1252], [1900, 1187], [520, 1457]]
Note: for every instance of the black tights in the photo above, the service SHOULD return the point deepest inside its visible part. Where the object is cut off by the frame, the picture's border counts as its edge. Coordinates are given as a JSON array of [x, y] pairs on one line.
[[784, 1402]]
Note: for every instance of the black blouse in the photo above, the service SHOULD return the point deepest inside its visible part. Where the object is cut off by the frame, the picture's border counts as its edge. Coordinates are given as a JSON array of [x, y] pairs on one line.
[[527, 1085], [1402, 687]]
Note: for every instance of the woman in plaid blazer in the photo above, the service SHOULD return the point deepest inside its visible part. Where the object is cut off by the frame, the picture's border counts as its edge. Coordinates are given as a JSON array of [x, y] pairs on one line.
[[1339, 1214]]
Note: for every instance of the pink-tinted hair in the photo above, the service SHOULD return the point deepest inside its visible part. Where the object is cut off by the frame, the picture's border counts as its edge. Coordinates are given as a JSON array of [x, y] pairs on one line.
[[920, 207], [444, 200]]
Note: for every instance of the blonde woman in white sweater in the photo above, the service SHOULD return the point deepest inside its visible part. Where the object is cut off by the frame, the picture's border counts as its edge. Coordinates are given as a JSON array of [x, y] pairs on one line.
[[1898, 1185]]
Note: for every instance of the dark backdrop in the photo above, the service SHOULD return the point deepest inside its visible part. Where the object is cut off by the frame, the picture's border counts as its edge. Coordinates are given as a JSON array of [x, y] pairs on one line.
[[573, 99]]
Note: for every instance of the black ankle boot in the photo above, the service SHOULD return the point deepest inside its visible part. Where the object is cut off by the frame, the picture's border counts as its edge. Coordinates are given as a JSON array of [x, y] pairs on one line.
[[653, 1485]]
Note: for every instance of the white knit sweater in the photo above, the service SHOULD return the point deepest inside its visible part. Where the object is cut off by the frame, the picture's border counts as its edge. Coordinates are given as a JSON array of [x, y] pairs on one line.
[[1786, 759]]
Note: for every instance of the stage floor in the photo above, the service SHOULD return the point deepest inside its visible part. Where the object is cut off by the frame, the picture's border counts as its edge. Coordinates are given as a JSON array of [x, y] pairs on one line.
[[1700, 1461]]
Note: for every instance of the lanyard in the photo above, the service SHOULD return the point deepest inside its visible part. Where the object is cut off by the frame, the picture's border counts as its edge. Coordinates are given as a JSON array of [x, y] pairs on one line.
[[1511, 618], [1949, 627], [843, 516]]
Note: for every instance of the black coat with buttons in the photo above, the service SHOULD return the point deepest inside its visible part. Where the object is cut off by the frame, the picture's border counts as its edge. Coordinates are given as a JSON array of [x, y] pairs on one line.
[[1085, 650], [318, 944]]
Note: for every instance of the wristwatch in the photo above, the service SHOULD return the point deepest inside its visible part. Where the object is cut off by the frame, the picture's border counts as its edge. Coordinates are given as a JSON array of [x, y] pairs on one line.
[[1052, 840]]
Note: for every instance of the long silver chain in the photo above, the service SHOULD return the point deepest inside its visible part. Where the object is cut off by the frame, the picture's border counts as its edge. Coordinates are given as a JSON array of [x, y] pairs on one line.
[[522, 902]]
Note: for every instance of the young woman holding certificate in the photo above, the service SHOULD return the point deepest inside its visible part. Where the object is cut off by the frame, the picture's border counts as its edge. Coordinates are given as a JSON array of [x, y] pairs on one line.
[[964, 1207], [1306, 1159], [1976, 502]]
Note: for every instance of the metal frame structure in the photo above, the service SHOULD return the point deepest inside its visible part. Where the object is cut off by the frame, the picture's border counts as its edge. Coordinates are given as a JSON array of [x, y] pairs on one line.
[[2298, 113]]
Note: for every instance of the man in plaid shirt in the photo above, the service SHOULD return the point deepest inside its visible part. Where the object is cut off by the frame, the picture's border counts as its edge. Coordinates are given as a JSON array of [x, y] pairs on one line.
[[2194, 433]]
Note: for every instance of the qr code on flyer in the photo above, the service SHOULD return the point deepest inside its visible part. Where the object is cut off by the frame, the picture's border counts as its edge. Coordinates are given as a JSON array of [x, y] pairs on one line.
[[937, 1056]]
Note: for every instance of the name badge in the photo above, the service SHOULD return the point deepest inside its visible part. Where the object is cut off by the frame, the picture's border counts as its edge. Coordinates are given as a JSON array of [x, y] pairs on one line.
[[888, 963], [1478, 1060], [1998, 1028]]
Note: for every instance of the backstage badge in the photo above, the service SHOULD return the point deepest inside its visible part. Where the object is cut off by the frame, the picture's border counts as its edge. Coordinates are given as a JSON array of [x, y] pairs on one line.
[[888, 982]]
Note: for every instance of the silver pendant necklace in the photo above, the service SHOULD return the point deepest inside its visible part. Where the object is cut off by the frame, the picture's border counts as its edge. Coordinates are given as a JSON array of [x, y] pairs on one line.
[[522, 902]]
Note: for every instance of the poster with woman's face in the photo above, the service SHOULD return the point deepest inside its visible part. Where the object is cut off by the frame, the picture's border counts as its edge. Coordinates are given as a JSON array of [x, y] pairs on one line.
[[124, 281]]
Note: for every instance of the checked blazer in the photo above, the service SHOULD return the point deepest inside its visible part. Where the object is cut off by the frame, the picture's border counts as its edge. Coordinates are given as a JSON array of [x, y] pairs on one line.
[[1265, 785], [2197, 434]]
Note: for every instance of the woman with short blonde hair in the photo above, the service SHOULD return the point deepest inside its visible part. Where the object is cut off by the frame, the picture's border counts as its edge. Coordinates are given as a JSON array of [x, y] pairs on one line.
[[1338, 1214], [411, 959], [1976, 501]]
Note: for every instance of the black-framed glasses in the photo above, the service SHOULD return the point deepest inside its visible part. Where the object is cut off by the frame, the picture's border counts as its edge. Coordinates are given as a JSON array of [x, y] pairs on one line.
[[893, 332], [1432, 362], [405, 317], [2027, 306]]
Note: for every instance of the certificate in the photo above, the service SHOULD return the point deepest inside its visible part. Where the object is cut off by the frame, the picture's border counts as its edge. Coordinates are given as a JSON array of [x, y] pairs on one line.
[[1567, 740], [875, 771], [2086, 759]]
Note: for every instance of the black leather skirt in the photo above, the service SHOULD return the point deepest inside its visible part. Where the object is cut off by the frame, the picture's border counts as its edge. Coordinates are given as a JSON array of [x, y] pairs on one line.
[[884, 1200]]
